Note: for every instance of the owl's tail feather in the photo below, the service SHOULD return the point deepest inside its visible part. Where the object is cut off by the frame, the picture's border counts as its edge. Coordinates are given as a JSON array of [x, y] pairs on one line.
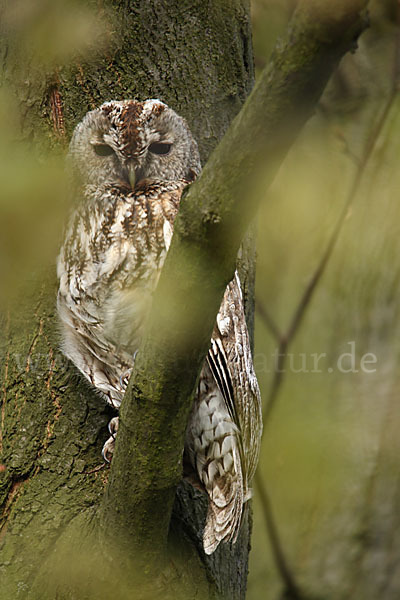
[[225, 509]]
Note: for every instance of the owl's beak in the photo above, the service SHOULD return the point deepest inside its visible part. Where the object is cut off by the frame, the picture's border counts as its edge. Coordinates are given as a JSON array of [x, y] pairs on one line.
[[131, 175]]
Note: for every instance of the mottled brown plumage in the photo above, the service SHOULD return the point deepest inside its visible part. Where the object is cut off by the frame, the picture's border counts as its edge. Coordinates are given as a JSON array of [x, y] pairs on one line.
[[130, 162]]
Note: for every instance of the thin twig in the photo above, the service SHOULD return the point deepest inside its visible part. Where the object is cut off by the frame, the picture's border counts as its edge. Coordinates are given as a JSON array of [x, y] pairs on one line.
[[268, 321], [291, 588], [96, 469], [305, 300]]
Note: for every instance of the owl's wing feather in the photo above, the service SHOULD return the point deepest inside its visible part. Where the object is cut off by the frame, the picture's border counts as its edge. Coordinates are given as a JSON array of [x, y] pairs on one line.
[[216, 359], [229, 445], [234, 372], [225, 506]]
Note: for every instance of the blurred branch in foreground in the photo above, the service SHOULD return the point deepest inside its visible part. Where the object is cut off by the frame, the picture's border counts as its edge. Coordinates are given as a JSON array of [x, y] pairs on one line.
[[208, 232]]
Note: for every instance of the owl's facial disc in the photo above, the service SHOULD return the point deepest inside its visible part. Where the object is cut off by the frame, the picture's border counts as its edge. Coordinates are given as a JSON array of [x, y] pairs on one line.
[[124, 142]]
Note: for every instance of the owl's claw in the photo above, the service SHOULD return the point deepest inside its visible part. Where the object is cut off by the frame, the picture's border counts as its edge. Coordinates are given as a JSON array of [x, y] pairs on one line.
[[108, 448], [113, 426]]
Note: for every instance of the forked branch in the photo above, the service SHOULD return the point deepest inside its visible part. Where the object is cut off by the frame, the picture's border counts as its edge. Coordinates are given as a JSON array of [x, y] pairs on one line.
[[213, 219]]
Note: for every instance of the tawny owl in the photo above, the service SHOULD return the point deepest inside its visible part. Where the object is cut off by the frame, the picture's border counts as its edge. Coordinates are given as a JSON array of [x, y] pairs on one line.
[[130, 162]]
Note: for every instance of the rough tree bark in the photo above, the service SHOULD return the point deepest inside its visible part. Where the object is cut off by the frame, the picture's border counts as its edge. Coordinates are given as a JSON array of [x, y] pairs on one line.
[[52, 425], [197, 57]]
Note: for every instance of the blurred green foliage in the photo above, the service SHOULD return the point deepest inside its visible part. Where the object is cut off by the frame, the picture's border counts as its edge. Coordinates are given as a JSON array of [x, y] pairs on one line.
[[51, 32], [37, 38], [31, 204], [329, 451]]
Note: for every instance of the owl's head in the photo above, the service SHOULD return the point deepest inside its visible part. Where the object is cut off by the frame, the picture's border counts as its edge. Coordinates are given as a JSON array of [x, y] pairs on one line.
[[124, 142]]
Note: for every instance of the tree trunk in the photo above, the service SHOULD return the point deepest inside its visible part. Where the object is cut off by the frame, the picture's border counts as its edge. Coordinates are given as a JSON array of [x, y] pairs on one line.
[[197, 57]]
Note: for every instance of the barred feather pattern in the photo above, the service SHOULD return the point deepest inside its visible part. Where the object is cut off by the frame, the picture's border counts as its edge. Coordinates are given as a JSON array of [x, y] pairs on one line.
[[224, 431], [109, 264], [108, 268]]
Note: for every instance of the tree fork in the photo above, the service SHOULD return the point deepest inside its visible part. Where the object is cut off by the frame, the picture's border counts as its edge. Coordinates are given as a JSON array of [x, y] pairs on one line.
[[209, 229]]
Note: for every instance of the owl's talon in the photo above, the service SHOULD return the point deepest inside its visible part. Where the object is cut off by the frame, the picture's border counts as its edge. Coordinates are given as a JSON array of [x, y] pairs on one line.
[[108, 448], [113, 426]]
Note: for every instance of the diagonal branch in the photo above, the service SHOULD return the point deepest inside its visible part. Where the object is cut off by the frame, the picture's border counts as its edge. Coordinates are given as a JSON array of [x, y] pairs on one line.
[[213, 219]]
